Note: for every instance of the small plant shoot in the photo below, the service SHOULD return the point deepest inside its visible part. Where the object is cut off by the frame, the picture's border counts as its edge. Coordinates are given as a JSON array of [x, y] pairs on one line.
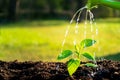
[[74, 63]]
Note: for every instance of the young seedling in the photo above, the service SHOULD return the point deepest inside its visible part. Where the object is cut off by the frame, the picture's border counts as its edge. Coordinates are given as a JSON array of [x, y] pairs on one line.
[[74, 63]]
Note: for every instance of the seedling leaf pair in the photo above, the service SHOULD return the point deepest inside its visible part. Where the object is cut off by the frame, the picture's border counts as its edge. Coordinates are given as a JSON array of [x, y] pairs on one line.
[[73, 64]]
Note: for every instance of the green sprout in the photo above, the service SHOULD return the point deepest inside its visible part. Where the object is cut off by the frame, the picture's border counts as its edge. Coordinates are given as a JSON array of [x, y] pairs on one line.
[[74, 63]]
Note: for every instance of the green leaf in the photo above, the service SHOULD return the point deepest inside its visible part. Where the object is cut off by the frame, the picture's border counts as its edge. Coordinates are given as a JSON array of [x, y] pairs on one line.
[[72, 66], [88, 56], [91, 65], [87, 43], [64, 54]]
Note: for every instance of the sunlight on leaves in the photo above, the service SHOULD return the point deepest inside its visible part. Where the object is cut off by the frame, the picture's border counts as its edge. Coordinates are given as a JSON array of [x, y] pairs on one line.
[[87, 43], [72, 65], [88, 56], [64, 54]]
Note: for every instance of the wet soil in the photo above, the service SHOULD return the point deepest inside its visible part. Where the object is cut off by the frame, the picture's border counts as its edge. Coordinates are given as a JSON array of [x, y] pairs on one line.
[[107, 70]]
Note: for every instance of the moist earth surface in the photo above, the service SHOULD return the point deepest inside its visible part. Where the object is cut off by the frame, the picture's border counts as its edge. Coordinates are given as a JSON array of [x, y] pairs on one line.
[[14, 70]]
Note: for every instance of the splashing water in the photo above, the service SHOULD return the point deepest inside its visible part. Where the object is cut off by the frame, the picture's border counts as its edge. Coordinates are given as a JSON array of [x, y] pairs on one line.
[[66, 33], [93, 31], [76, 27]]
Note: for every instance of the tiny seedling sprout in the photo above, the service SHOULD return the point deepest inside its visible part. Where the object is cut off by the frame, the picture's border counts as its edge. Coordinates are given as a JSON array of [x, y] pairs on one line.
[[74, 63]]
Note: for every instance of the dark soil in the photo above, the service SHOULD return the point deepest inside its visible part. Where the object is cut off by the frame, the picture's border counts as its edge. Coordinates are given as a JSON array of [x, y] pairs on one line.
[[107, 70]]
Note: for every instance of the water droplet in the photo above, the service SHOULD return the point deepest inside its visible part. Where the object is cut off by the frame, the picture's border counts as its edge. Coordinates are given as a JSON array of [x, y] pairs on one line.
[[96, 31], [78, 20], [71, 21], [74, 42]]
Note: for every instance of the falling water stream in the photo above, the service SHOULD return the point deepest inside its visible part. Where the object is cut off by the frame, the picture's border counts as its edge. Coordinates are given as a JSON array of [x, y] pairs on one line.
[[90, 27]]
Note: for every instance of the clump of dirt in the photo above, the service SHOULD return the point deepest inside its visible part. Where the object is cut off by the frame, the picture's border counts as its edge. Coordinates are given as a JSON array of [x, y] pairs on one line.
[[107, 70]]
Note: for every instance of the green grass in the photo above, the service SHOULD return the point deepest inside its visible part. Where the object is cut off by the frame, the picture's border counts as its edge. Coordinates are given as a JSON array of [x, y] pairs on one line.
[[42, 40]]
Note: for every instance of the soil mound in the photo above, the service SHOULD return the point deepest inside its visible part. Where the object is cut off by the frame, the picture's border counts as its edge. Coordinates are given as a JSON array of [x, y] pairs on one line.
[[107, 70]]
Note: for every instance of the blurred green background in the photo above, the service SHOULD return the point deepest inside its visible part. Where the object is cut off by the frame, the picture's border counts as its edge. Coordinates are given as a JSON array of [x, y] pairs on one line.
[[34, 29]]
